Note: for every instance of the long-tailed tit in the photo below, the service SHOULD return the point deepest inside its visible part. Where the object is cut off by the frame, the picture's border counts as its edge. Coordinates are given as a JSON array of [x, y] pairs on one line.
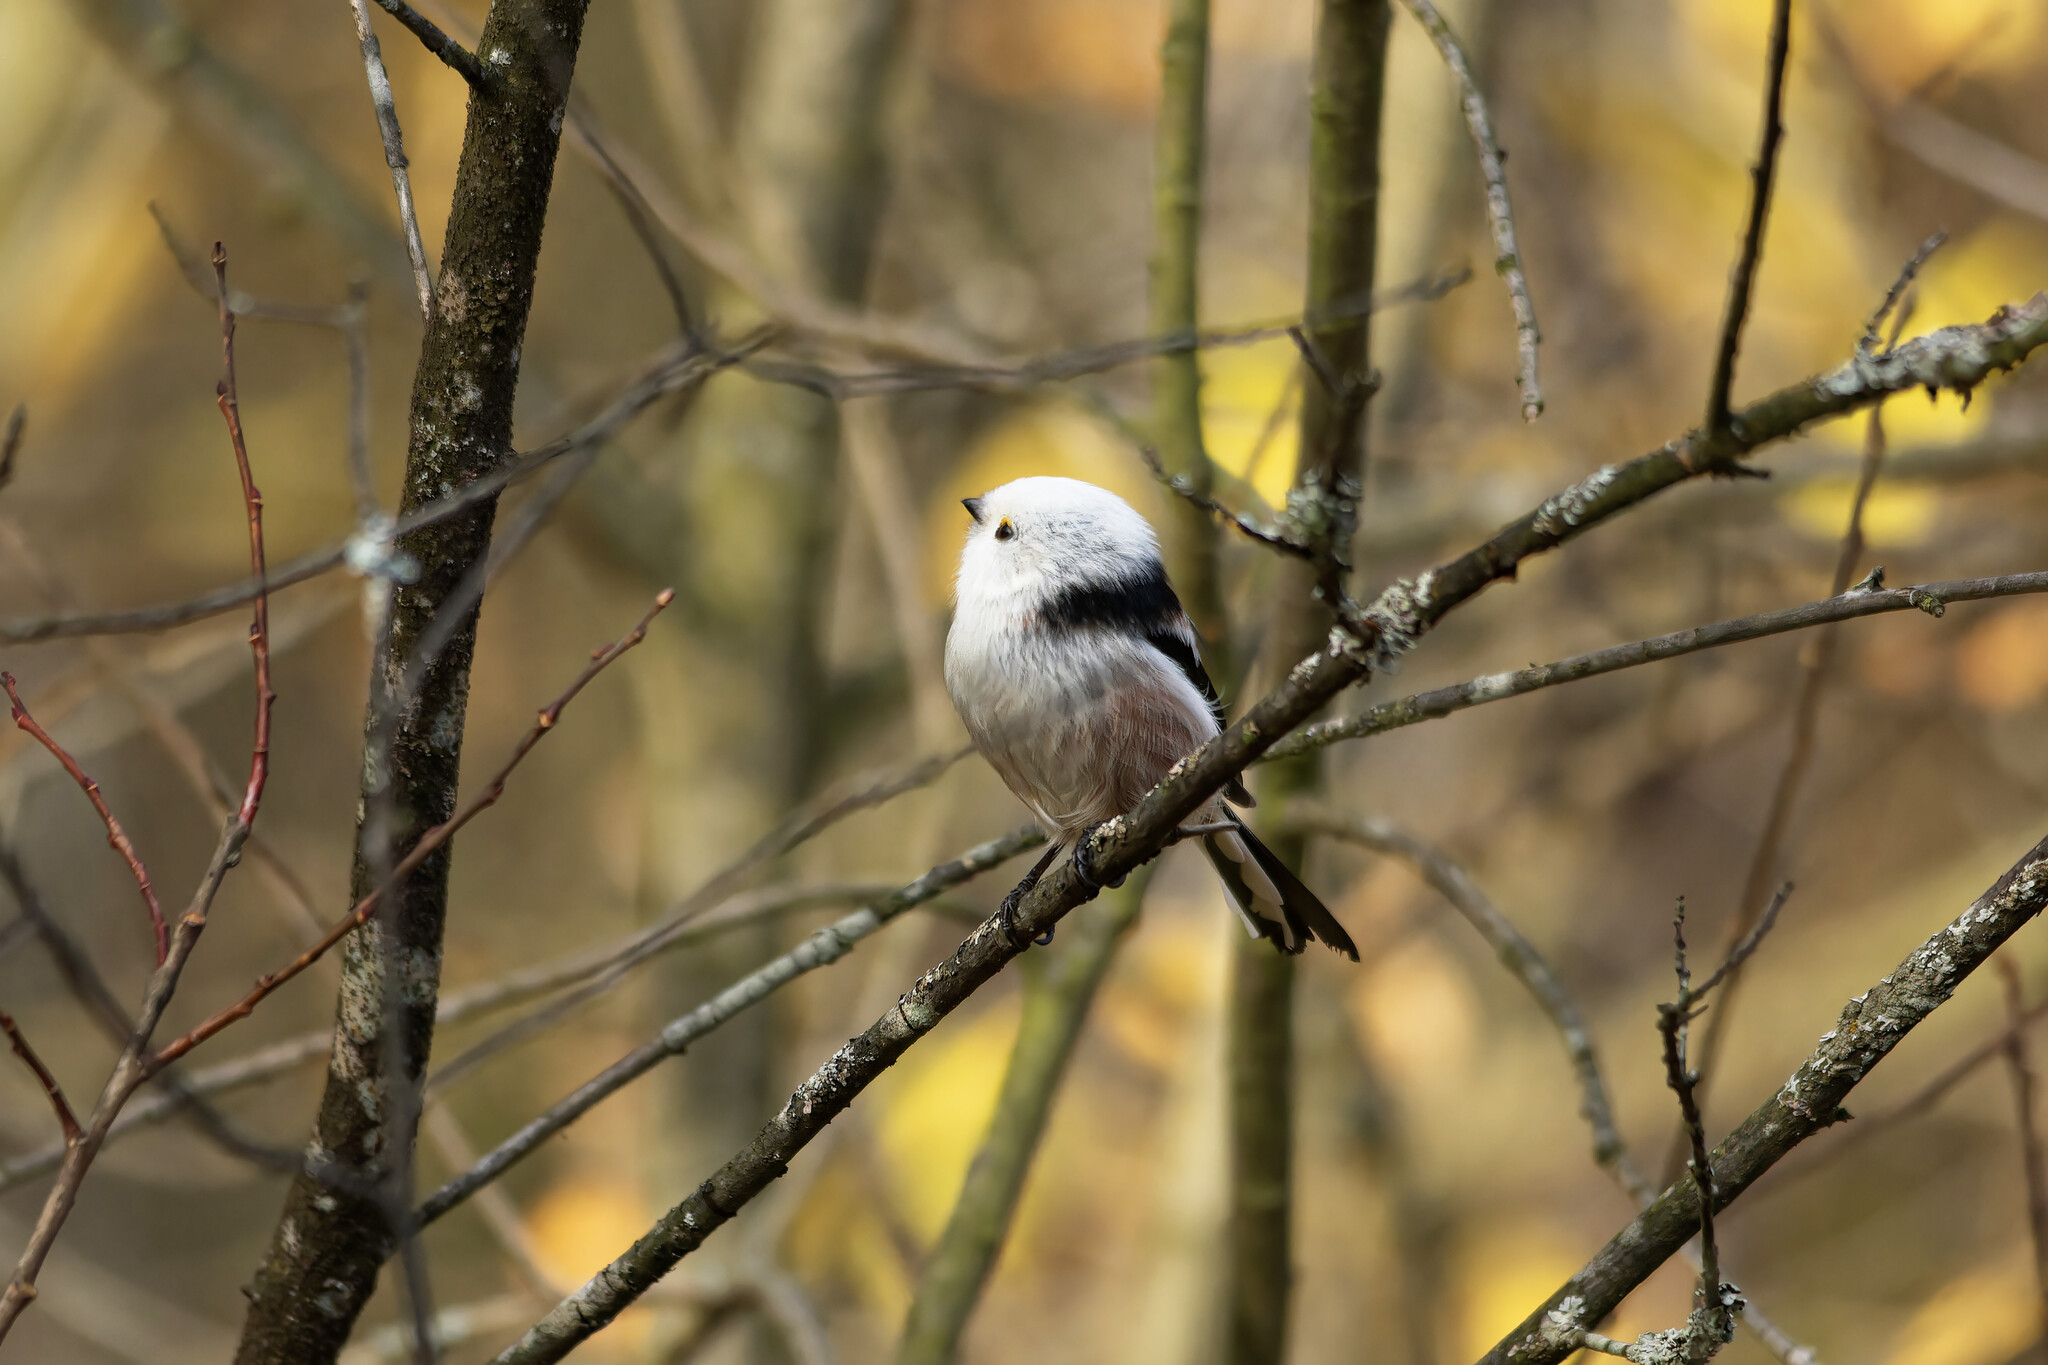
[[1081, 681]]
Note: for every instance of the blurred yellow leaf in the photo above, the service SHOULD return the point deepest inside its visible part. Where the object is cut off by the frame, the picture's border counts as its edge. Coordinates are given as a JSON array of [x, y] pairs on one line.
[[1902, 43], [1097, 52], [578, 1226], [936, 1110], [1506, 1268], [1895, 514], [1417, 1013], [1249, 404], [2002, 665]]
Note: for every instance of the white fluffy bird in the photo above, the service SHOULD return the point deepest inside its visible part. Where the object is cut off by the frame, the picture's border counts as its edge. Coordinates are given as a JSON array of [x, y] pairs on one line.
[[1080, 679]]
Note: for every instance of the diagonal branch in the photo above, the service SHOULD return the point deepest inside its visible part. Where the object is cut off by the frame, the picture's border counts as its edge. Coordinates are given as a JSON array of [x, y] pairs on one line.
[[1363, 640], [427, 845], [66, 1120], [821, 949], [117, 838], [1507, 260], [1932, 598], [458, 58], [1742, 280], [1871, 1025], [394, 151]]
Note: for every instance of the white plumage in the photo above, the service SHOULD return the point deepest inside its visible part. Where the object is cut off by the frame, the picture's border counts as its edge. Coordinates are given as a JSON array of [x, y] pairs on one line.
[[1080, 679]]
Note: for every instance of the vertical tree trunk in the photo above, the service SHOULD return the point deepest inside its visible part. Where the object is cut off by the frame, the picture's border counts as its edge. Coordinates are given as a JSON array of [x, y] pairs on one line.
[[1190, 540], [1344, 176], [333, 1235]]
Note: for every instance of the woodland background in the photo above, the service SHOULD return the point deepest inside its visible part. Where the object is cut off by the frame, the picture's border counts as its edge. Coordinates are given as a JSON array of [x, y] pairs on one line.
[[1444, 1184]]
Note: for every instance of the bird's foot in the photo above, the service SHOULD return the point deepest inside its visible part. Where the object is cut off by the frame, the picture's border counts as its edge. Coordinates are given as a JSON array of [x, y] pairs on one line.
[[1084, 861]]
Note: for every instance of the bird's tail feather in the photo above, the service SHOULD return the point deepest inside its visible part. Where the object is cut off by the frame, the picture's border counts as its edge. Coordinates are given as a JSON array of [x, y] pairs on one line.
[[1268, 896]]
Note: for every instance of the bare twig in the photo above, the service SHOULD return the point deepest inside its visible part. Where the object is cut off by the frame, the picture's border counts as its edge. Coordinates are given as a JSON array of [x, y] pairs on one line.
[[458, 58], [1516, 953], [66, 1120], [1896, 292], [132, 1070], [1742, 280], [1871, 1025], [10, 443], [2020, 1068], [117, 837], [433, 839], [673, 369], [1932, 598], [394, 151], [1507, 261], [1747, 946], [1712, 1324], [822, 948]]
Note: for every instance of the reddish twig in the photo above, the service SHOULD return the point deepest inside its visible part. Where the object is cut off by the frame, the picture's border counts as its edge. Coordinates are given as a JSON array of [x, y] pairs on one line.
[[65, 1119], [10, 443], [116, 836], [135, 1066], [429, 842], [252, 500]]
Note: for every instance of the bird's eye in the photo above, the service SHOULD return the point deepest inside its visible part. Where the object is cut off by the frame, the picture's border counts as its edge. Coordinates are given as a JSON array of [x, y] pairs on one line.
[[1004, 530]]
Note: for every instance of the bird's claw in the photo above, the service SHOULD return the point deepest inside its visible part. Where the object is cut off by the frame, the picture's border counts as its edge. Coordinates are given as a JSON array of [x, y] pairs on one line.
[[1084, 863]]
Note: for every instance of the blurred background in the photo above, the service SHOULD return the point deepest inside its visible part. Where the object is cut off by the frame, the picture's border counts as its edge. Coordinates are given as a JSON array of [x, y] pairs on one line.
[[981, 170]]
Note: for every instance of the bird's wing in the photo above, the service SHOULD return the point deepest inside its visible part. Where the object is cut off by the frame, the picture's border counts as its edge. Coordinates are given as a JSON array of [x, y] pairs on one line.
[[1146, 606]]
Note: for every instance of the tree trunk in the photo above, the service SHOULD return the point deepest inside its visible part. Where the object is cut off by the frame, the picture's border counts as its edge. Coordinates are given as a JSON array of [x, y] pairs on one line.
[[1345, 100], [334, 1233]]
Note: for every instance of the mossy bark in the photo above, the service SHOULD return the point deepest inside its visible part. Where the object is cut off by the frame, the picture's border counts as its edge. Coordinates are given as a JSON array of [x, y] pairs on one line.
[[334, 1234], [1344, 176]]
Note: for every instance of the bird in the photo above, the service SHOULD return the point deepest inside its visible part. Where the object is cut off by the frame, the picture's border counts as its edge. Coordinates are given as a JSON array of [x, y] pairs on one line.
[[1079, 678]]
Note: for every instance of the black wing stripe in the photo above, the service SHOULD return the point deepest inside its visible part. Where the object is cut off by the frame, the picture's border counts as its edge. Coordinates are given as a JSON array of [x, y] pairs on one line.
[[1144, 606]]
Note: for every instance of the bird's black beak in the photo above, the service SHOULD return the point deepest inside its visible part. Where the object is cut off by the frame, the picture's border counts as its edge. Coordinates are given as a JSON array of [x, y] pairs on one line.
[[973, 506]]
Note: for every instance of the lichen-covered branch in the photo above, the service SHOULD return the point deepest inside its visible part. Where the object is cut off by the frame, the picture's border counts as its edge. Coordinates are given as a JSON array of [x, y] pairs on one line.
[[1363, 637], [1871, 1025]]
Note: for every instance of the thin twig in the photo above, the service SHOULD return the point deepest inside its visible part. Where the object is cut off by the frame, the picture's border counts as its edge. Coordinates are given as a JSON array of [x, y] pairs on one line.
[[394, 151], [430, 841], [1905, 279], [1507, 261], [117, 837], [1747, 946], [2020, 1068], [1932, 598], [1516, 953], [131, 1071], [673, 369], [10, 443], [1742, 280], [458, 58], [1710, 1299], [66, 1120], [1815, 667]]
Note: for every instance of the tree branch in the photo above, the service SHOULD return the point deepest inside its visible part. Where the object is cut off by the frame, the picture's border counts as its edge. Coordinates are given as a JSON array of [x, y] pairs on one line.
[[1742, 280], [117, 838], [394, 144], [66, 1120], [1871, 1025], [1363, 639], [1507, 260], [821, 949], [457, 58], [1932, 598]]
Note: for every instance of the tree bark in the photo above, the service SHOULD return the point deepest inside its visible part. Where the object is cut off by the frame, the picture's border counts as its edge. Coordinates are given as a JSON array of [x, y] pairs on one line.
[[334, 1234], [1345, 100]]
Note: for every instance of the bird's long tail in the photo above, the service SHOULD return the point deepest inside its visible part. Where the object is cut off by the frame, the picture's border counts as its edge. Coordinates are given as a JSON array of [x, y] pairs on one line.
[[1269, 898]]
